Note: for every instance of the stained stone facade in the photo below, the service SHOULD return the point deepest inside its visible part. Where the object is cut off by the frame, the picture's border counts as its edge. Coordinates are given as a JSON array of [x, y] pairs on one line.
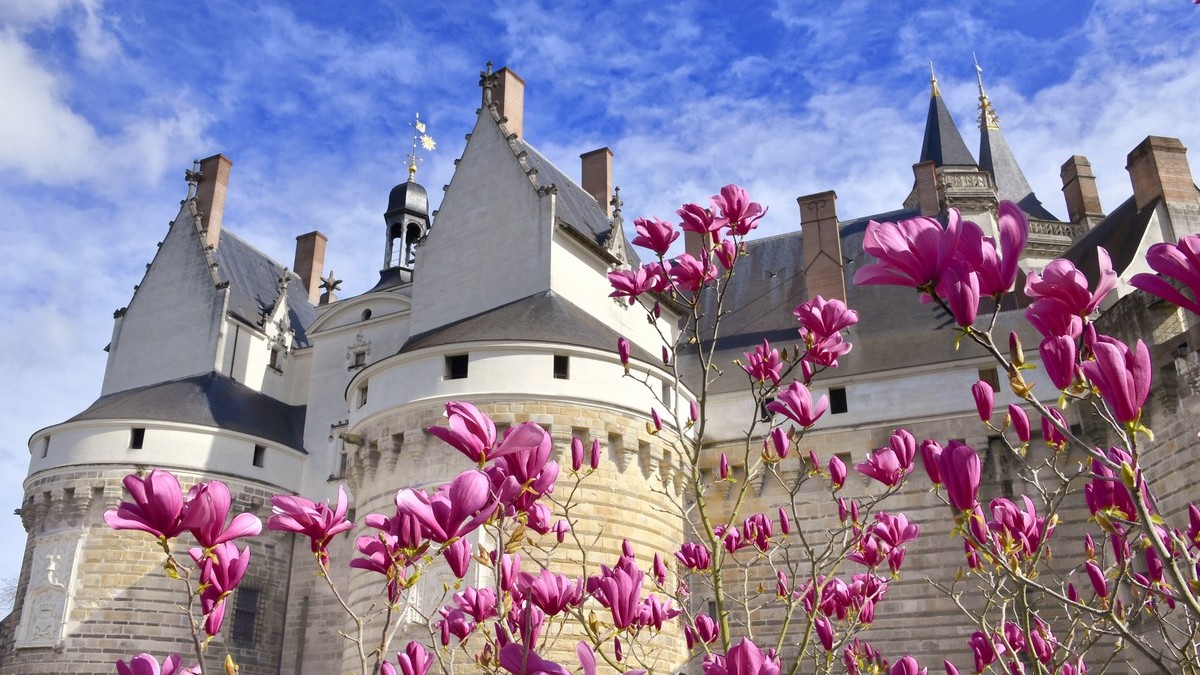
[[227, 365]]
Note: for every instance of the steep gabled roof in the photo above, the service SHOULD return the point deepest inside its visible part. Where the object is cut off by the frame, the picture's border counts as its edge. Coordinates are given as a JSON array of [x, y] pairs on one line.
[[254, 285], [575, 206], [209, 400], [542, 317], [997, 159], [943, 145]]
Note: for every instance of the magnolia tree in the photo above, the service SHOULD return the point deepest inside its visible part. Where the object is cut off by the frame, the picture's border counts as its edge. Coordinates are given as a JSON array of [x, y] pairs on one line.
[[1032, 612]]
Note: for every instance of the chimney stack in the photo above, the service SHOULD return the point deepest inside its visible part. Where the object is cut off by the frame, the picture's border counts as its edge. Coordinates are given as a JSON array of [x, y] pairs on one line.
[[509, 97], [210, 196], [596, 174], [1158, 167], [1079, 189], [310, 262], [824, 267], [925, 174]]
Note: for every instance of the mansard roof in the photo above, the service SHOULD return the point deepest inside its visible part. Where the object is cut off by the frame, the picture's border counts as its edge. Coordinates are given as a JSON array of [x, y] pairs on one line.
[[254, 285], [541, 317], [943, 145], [209, 400]]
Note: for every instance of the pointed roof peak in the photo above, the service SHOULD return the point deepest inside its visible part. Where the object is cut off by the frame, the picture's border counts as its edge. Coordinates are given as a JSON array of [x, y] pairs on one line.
[[943, 145], [987, 114]]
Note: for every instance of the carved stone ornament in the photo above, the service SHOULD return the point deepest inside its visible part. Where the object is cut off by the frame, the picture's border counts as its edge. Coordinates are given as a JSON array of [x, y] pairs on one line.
[[48, 597]]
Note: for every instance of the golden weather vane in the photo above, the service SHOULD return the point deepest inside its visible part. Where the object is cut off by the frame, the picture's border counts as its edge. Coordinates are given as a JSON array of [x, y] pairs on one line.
[[422, 139]]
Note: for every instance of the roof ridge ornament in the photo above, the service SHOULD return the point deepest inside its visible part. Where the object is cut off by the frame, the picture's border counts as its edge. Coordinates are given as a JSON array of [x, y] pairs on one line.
[[487, 80], [987, 114], [192, 176], [933, 85], [421, 138]]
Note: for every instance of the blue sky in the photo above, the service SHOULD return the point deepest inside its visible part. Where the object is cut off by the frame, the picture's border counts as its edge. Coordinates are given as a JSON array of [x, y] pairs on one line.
[[107, 104]]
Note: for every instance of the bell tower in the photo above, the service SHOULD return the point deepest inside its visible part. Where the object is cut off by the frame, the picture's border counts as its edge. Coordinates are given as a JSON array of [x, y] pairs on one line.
[[407, 217]]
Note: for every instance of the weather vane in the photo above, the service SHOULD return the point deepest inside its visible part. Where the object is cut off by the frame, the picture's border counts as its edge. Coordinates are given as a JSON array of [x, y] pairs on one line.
[[424, 140]]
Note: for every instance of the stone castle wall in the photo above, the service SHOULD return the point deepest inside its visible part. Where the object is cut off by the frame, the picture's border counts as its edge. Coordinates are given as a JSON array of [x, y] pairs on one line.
[[89, 595]]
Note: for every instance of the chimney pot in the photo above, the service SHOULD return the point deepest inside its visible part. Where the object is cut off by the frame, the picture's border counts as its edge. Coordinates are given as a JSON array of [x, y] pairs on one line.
[[210, 196], [1079, 190], [310, 262], [596, 176], [824, 268], [509, 97]]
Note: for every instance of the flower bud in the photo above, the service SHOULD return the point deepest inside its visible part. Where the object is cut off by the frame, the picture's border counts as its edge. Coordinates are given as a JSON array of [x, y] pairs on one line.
[[724, 467], [623, 352], [576, 454], [1016, 353], [595, 458]]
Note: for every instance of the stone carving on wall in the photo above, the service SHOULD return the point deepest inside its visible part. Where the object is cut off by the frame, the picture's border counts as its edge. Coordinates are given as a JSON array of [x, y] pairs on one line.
[[48, 595]]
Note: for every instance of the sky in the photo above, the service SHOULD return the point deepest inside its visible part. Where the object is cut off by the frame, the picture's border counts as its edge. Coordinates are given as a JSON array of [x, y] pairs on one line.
[[107, 104]]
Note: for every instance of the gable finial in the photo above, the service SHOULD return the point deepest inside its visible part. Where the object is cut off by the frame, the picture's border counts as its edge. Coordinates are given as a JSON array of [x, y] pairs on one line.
[[419, 138], [192, 176], [933, 85], [987, 114], [329, 284], [487, 80], [616, 203]]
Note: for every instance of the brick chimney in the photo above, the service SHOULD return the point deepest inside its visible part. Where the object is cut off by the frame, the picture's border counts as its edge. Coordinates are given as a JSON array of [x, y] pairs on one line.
[[1079, 189], [509, 96], [210, 196], [824, 267], [925, 186], [310, 262], [596, 176], [1158, 167]]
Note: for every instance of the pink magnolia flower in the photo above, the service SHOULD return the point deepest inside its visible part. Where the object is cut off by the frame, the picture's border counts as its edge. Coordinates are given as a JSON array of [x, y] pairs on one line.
[[959, 287], [795, 402], [1050, 433], [912, 253], [890, 464], [623, 352], [694, 556], [986, 652], [1180, 262], [454, 510], [1023, 528], [984, 399], [763, 363], [552, 593], [471, 432], [1020, 422], [620, 590], [594, 459], [738, 213], [206, 511], [1122, 376], [458, 557], [477, 603], [157, 506], [696, 218], [778, 443], [703, 630], [318, 522], [744, 658], [1053, 318], [222, 568], [517, 659], [1058, 355], [959, 468], [821, 323], [414, 660], [631, 283], [726, 252], [1096, 575], [837, 472], [1061, 281], [1105, 493], [931, 453], [691, 274], [654, 234], [997, 268], [145, 664], [907, 665], [576, 454]]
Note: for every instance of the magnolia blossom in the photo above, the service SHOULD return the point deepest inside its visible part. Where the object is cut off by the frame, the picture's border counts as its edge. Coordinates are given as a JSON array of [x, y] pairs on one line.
[[821, 323], [738, 213], [157, 506], [207, 509], [984, 399], [1179, 261], [912, 253], [471, 432], [1122, 375], [654, 234], [795, 402], [763, 363], [959, 468], [414, 660], [454, 510], [744, 658], [318, 522], [890, 464], [145, 664]]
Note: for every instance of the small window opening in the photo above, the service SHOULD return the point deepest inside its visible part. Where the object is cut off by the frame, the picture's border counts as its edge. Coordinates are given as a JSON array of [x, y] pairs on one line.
[[260, 455], [366, 314], [343, 460], [668, 394], [398, 443], [990, 376], [562, 367], [360, 359], [456, 367], [274, 360], [362, 394], [137, 438], [765, 415], [837, 400], [45, 446], [245, 616]]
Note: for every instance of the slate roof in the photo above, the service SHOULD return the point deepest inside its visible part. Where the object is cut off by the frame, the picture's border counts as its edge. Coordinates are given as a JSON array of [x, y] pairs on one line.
[[996, 158], [210, 400], [943, 144], [541, 317], [574, 205], [894, 330], [253, 283]]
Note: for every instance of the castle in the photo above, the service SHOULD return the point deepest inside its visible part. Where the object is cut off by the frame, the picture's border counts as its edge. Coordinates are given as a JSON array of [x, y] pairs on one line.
[[227, 365]]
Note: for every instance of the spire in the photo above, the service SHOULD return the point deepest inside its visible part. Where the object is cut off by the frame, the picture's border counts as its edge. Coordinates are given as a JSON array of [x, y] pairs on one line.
[[987, 114], [996, 158], [943, 145], [419, 138]]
